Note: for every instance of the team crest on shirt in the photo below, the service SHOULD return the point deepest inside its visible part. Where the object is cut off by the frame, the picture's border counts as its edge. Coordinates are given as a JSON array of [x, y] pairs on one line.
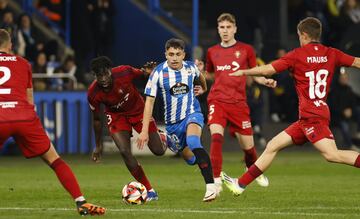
[[179, 89], [121, 91], [237, 54]]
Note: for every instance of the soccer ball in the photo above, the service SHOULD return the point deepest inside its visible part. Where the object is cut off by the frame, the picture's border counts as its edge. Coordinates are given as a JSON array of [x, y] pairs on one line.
[[134, 193]]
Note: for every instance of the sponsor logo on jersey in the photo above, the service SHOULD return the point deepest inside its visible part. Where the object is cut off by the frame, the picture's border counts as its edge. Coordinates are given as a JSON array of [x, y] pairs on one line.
[[118, 105], [234, 66], [179, 89]]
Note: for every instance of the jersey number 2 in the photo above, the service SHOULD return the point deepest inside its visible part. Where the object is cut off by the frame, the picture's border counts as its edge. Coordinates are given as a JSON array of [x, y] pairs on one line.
[[317, 83], [4, 79]]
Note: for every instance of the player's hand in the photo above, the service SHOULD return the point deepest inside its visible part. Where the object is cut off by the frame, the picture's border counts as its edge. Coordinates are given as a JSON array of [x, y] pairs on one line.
[[270, 82], [148, 67], [142, 140], [198, 90], [96, 155], [237, 73]]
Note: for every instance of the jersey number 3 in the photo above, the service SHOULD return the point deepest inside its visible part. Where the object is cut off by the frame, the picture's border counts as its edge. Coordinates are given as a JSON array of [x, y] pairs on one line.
[[4, 79], [317, 83]]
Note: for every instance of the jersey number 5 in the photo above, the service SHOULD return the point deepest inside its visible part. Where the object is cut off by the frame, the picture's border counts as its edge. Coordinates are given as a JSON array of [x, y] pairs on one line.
[[317, 83], [4, 79]]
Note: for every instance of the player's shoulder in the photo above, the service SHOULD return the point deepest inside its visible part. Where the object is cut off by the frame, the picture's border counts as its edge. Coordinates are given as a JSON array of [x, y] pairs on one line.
[[14, 58], [160, 67], [243, 45], [121, 71], [93, 90], [189, 63]]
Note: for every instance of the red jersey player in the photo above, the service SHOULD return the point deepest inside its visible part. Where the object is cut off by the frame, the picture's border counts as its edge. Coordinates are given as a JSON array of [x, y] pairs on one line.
[[124, 107], [313, 66], [19, 120], [227, 97]]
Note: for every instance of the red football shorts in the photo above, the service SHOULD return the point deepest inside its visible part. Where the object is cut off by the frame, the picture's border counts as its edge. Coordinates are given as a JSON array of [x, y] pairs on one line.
[[237, 114], [117, 123], [312, 130], [29, 135]]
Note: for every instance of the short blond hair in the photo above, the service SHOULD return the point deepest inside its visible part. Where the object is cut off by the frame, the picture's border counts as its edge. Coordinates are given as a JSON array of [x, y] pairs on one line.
[[227, 17]]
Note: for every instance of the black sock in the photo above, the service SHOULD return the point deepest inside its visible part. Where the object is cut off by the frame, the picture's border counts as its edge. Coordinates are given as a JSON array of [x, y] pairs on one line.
[[79, 203], [203, 161]]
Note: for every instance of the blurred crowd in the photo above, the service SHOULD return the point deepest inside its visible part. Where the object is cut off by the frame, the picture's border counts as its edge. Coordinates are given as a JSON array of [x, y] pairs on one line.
[[58, 66]]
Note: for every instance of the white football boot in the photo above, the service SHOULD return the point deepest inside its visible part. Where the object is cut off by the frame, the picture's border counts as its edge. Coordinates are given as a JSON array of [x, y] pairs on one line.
[[218, 185], [261, 180], [210, 193]]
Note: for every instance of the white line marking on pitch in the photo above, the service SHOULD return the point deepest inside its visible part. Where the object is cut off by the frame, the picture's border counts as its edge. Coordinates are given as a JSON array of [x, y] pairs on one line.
[[243, 211]]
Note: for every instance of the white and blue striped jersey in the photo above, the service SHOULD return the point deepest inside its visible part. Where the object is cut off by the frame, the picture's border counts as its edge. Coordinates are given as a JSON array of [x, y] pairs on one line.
[[176, 88]]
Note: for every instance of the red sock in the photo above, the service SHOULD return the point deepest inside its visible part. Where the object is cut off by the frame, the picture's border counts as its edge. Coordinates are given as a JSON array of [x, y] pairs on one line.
[[139, 175], [216, 153], [357, 162], [252, 173], [250, 156], [66, 177]]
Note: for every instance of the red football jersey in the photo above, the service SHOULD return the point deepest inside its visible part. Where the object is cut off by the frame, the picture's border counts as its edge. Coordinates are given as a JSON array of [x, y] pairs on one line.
[[123, 98], [15, 78], [223, 61], [313, 66]]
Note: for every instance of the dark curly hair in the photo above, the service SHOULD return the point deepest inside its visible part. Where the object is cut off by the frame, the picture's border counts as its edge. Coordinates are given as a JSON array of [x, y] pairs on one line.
[[100, 64]]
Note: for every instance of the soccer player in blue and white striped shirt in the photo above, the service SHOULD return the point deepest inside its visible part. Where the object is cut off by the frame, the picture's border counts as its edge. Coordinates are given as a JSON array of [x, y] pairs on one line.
[[173, 80]]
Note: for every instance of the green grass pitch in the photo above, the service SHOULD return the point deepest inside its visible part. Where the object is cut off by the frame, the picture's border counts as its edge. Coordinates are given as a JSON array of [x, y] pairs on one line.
[[302, 185]]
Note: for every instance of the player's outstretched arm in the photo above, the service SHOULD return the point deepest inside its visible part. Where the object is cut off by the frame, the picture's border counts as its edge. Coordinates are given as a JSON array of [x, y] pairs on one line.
[[96, 155], [356, 63], [148, 110], [269, 82], [264, 70]]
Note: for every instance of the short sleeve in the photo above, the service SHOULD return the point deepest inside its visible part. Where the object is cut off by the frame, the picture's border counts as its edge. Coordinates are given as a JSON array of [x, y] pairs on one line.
[[152, 84], [285, 62], [251, 58], [93, 104], [343, 59], [209, 64]]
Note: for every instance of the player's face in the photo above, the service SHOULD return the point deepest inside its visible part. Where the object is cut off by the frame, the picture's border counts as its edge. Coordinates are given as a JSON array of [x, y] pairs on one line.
[[175, 57], [226, 31], [104, 79]]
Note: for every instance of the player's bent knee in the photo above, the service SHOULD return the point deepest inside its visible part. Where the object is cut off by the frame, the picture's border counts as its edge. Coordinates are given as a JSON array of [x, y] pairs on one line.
[[191, 161], [331, 157], [193, 142]]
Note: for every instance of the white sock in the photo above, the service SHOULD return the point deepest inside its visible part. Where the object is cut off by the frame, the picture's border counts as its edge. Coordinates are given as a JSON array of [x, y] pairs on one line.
[[217, 180], [211, 187], [80, 199]]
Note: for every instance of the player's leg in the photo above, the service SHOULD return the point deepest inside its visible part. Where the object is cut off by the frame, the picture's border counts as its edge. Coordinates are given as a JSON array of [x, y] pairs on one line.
[[193, 134], [279, 142], [69, 182], [217, 140], [329, 151], [122, 142], [217, 122], [157, 141], [33, 142], [188, 156], [156, 144], [250, 156]]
